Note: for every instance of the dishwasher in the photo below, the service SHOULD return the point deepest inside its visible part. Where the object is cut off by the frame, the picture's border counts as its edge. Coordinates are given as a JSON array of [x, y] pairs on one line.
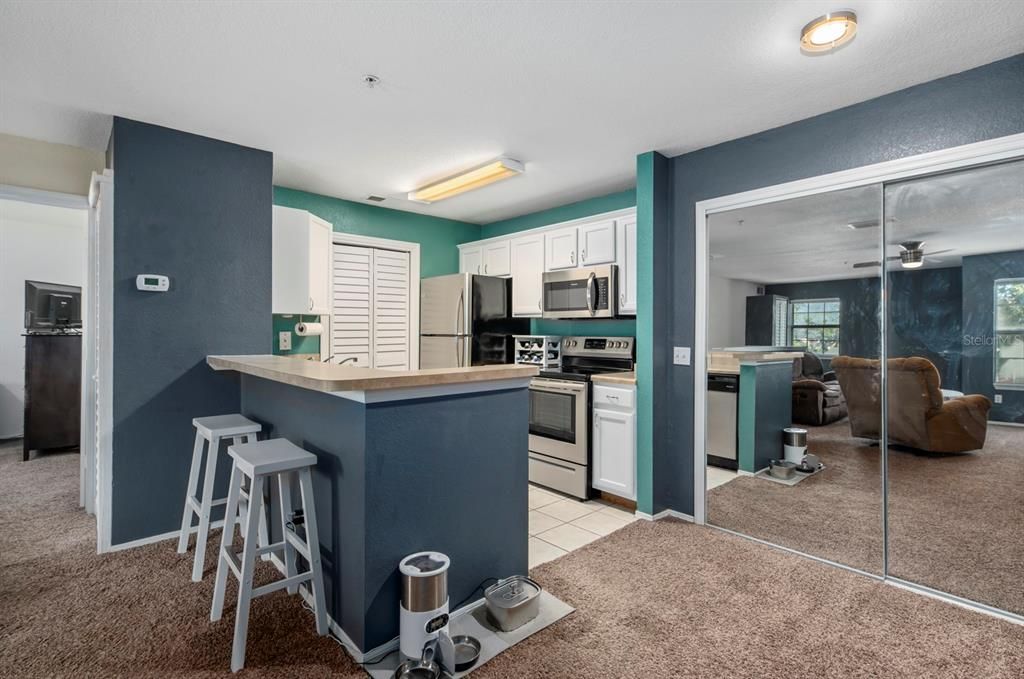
[[722, 404]]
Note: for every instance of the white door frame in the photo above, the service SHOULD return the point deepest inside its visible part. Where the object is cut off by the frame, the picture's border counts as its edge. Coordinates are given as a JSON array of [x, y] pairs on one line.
[[98, 351], [978, 153], [89, 483], [342, 238]]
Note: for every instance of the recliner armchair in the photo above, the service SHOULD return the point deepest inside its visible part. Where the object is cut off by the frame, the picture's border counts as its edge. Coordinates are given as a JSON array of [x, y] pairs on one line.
[[817, 396], [918, 417]]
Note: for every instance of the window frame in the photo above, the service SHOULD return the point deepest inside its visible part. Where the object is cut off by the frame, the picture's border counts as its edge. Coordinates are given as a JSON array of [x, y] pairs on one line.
[[837, 326], [996, 333]]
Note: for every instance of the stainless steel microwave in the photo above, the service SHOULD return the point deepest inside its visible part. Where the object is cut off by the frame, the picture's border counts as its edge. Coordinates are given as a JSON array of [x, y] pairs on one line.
[[588, 292]]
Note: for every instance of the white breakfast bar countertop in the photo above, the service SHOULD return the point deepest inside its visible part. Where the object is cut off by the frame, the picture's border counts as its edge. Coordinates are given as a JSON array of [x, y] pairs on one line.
[[333, 378]]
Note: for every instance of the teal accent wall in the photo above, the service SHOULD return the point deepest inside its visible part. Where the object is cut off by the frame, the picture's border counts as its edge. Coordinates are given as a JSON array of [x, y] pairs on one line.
[[300, 345], [438, 238], [645, 197], [617, 327], [563, 213], [746, 418]]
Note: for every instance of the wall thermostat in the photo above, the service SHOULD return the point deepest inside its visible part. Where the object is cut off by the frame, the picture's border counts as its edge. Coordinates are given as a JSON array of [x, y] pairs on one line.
[[152, 282]]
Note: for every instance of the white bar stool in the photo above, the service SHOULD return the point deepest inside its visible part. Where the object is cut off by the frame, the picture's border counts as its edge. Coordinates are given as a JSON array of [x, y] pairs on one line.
[[258, 461], [210, 430]]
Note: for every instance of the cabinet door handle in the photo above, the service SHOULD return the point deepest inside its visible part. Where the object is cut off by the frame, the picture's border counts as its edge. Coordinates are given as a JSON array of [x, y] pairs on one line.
[[485, 268], [583, 255], [540, 307], [622, 299], [310, 303], [478, 268], [572, 257]]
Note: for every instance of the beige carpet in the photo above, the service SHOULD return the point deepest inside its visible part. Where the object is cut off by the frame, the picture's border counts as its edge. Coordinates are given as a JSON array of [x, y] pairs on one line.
[[956, 522], [653, 600]]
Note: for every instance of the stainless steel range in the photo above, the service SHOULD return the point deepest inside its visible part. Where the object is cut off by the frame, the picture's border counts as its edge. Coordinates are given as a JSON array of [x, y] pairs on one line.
[[560, 411]]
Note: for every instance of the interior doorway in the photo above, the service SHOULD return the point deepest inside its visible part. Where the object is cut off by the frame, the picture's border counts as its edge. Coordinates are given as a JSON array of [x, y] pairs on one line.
[[43, 287]]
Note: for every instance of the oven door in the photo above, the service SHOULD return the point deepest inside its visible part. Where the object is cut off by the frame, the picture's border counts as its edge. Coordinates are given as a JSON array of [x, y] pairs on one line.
[[558, 419], [581, 293]]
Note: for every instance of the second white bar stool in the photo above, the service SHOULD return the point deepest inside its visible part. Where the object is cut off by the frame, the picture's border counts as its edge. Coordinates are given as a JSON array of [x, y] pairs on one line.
[[210, 431], [260, 462]]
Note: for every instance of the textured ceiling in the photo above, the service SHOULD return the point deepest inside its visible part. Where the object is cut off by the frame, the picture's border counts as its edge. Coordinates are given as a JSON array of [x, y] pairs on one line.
[[574, 89], [970, 212]]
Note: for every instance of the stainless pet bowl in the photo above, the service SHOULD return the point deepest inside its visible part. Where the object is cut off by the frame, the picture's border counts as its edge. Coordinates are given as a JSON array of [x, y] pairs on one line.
[[782, 469]]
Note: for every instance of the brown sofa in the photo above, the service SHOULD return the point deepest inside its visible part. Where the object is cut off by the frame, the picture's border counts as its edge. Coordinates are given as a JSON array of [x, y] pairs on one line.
[[917, 415]]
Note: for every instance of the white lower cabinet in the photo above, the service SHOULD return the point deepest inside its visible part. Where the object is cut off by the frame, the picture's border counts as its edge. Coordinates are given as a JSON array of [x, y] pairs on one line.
[[614, 441]]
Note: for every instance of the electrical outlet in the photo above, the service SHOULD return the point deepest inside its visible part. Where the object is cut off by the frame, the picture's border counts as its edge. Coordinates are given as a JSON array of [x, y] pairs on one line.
[[998, 398], [284, 340], [681, 355]]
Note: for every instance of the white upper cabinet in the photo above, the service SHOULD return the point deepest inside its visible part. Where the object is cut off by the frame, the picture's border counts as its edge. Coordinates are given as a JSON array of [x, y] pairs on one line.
[[560, 249], [301, 263], [527, 255], [471, 259], [497, 259], [597, 243], [627, 264], [594, 241]]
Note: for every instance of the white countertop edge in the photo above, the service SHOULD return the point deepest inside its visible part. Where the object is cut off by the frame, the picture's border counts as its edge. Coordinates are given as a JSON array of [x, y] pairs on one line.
[[431, 391]]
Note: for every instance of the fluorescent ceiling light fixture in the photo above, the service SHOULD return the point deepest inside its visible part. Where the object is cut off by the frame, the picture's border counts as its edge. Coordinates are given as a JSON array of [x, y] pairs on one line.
[[828, 32], [467, 181]]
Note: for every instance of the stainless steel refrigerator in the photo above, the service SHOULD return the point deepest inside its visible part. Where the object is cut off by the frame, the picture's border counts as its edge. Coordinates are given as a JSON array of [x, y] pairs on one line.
[[466, 320]]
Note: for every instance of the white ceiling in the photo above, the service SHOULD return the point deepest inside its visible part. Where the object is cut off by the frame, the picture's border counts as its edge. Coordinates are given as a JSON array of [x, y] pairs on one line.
[[574, 89], [970, 212]]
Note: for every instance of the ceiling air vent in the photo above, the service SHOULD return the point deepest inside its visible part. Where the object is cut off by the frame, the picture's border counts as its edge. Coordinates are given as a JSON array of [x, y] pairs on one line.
[[375, 199]]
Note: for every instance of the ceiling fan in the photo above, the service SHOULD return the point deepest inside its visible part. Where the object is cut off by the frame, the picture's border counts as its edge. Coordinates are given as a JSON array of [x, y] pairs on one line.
[[911, 257]]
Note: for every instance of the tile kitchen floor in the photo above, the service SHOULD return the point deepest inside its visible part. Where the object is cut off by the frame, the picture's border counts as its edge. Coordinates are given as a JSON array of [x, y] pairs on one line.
[[559, 524]]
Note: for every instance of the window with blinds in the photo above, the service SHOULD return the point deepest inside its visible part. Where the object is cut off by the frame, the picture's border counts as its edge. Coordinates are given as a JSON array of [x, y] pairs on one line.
[[370, 307]]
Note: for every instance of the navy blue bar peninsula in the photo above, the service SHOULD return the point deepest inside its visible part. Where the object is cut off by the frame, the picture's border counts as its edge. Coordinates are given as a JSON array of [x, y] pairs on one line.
[[406, 461]]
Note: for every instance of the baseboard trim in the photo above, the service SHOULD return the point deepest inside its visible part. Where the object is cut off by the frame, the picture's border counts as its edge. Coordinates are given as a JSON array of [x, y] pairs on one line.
[[374, 654], [665, 513], [141, 542]]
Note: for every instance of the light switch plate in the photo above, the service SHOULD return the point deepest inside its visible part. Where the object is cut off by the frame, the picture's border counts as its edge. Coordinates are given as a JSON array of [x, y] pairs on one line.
[[998, 398], [681, 355], [284, 340]]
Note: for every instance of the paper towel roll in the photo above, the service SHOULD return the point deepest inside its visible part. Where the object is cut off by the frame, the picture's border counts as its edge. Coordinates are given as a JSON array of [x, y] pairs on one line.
[[309, 329]]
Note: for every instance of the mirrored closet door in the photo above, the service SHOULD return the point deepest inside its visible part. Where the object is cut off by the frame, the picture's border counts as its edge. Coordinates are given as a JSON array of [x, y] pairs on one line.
[[865, 391], [794, 322], [955, 382]]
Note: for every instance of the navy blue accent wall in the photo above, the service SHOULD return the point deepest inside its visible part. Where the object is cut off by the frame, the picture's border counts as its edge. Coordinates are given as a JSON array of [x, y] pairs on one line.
[[199, 211], [859, 331], [983, 103], [925, 317], [925, 308], [446, 474], [980, 274]]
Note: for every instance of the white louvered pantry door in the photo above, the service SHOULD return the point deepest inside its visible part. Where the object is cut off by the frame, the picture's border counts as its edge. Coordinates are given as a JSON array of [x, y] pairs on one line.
[[390, 309], [370, 307]]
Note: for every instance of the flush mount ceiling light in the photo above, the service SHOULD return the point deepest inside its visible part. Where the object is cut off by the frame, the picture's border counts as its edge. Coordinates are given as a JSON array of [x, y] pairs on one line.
[[828, 32], [483, 175]]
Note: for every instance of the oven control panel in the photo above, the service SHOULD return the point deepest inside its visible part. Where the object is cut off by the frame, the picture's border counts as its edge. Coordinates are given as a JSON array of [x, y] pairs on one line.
[[598, 346]]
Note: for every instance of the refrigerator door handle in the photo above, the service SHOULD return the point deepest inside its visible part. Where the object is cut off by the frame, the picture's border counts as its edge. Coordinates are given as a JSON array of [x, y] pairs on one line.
[[459, 313]]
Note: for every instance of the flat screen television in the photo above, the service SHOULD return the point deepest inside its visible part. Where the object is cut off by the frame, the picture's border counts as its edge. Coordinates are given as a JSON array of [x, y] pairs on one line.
[[52, 306]]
